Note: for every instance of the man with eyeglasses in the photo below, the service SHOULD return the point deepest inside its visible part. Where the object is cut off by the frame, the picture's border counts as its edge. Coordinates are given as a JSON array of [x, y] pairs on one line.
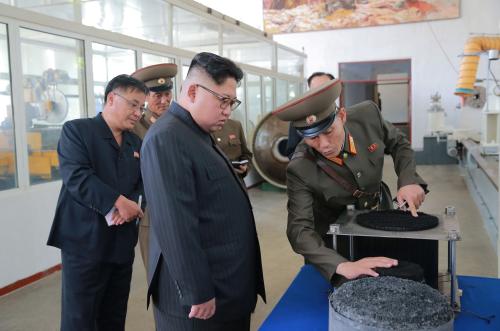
[[339, 163], [205, 268], [95, 219], [158, 79]]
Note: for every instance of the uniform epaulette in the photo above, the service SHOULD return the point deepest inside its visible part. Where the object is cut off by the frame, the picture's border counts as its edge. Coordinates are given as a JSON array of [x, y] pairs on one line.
[[305, 154], [298, 155]]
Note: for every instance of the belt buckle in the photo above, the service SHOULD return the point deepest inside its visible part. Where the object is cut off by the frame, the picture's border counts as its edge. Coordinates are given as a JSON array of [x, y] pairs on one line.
[[357, 194]]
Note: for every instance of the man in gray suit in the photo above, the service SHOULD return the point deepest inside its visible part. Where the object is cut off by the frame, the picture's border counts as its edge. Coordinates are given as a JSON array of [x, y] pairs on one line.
[[204, 263]]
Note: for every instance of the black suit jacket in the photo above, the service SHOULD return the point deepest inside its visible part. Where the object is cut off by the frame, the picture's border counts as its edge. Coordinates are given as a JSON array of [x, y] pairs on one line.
[[203, 239], [95, 170]]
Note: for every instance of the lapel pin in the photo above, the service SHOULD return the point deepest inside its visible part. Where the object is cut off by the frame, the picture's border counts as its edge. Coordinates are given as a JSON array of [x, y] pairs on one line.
[[372, 148]]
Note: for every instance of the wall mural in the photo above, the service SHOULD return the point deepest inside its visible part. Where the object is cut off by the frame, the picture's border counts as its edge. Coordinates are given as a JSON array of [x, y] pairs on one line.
[[286, 16]]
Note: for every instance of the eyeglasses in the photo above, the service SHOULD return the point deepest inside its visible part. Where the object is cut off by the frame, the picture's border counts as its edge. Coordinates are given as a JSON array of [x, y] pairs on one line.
[[224, 101], [132, 104]]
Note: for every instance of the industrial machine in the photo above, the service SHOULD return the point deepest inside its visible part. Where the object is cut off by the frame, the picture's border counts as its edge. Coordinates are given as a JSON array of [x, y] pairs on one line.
[[485, 96], [268, 146]]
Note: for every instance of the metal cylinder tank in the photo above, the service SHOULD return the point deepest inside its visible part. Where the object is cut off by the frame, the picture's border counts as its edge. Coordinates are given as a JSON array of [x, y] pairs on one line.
[[269, 145]]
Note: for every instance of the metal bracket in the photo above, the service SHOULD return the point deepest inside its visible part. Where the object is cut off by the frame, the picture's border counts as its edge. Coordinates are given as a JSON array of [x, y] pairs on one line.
[[453, 235], [449, 210], [334, 228]]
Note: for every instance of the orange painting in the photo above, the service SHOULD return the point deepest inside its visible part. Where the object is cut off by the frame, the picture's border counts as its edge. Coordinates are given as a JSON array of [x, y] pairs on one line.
[[286, 16]]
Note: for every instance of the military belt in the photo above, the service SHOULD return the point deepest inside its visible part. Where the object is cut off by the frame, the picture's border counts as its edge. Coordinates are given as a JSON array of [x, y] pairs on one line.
[[335, 176]]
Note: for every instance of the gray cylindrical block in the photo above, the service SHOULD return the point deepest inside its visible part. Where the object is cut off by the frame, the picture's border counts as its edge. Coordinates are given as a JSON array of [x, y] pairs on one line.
[[388, 304]]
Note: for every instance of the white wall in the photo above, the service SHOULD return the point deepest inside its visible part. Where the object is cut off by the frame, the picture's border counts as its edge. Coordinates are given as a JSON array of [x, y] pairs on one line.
[[26, 217], [431, 46], [420, 42]]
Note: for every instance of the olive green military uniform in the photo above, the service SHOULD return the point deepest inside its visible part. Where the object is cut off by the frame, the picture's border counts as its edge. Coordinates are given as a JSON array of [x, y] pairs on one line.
[[141, 127], [315, 200], [158, 78], [231, 139]]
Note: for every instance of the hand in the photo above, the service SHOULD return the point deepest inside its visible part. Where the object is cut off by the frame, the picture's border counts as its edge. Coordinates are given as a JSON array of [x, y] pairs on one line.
[[414, 195], [351, 270], [116, 218], [242, 169], [204, 310], [127, 210]]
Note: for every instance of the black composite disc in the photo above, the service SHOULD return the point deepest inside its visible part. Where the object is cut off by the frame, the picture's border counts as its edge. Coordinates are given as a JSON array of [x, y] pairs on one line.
[[396, 220], [404, 269]]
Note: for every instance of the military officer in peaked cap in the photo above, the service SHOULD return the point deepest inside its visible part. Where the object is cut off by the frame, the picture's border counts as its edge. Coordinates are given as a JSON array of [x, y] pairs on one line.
[[158, 79], [352, 143]]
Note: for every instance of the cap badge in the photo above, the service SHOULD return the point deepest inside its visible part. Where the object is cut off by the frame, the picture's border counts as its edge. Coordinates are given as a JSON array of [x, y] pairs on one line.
[[161, 80], [311, 119]]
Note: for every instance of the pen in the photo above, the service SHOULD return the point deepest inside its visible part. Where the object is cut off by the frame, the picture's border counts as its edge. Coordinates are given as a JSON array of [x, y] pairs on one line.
[[139, 202]]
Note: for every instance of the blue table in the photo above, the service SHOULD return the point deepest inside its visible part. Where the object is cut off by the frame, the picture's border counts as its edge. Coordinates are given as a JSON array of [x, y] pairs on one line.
[[304, 306]]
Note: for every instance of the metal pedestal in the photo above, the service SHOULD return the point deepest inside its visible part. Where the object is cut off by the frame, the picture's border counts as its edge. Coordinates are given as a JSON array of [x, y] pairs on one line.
[[447, 230]]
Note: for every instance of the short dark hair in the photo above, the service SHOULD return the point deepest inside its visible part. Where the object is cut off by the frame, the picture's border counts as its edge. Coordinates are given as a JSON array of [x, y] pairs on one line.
[[124, 82], [318, 73], [217, 67]]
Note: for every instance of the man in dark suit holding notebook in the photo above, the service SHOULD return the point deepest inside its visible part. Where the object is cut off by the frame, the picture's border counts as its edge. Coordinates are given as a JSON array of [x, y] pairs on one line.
[[95, 220]]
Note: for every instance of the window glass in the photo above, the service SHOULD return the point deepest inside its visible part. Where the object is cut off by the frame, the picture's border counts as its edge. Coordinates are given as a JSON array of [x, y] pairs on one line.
[[109, 62], [194, 33], [244, 48], [268, 94], [254, 107], [281, 92], [371, 70], [63, 9], [53, 79], [290, 63], [239, 113], [147, 20], [151, 59], [8, 171], [293, 90]]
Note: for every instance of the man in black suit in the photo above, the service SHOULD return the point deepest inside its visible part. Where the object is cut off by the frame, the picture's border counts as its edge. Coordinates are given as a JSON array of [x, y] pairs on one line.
[[204, 263], [95, 220]]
